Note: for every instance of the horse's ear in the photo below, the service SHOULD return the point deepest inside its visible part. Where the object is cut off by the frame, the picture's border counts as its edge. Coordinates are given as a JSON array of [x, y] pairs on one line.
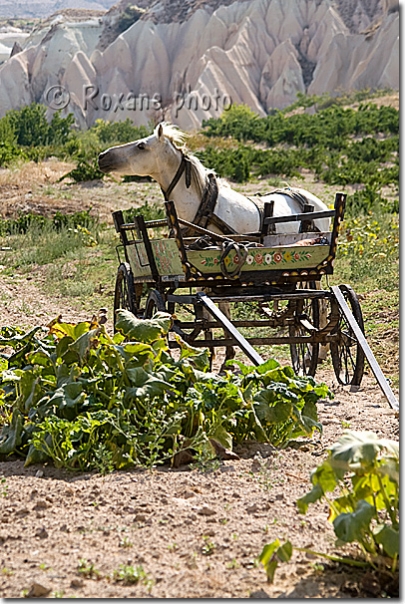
[[160, 131]]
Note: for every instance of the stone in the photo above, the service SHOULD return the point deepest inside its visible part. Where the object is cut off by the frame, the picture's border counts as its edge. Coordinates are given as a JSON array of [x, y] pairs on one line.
[[37, 590], [42, 533], [206, 511]]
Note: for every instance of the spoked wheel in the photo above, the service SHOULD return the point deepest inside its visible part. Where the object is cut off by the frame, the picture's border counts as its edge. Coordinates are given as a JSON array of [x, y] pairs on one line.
[[347, 354], [304, 356], [124, 296], [189, 320], [154, 303]]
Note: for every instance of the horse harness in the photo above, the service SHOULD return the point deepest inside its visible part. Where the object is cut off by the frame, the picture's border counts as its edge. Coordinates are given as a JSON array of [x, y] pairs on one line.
[[206, 211]]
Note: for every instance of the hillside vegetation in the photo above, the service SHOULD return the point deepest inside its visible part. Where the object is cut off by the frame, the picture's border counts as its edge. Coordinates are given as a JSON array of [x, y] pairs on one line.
[[341, 145]]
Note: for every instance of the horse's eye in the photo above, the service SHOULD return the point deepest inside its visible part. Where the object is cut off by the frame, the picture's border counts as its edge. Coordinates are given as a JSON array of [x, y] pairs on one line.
[[141, 146]]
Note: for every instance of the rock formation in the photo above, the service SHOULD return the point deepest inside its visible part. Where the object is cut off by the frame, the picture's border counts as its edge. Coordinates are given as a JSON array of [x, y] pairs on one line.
[[187, 61]]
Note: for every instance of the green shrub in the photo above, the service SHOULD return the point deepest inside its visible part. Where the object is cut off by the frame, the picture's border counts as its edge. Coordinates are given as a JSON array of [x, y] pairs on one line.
[[26, 222], [112, 133], [84, 171], [31, 128], [359, 483], [9, 152], [87, 400], [149, 211]]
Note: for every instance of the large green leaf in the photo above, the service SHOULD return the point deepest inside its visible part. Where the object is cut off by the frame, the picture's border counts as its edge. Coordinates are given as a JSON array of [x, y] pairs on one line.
[[84, 343], [11, 436], [200, 357], [145, 384], [389, 539], [272, 554], [69, 395], [71, 330], [314, 495], [272, 414], [222, 436], [351, 527], [143, 330], [268, 550], [356, 450], [324, 480], [268, 365]]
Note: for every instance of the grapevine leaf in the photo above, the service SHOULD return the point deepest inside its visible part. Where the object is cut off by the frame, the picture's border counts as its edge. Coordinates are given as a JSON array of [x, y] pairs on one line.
[[358, 449]]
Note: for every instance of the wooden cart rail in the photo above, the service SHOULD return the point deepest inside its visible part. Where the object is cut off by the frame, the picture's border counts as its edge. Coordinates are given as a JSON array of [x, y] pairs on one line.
[[157, 260]]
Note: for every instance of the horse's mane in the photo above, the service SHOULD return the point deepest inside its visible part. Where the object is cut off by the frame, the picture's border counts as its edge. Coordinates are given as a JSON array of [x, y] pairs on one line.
[[173, 133], [199, 174]]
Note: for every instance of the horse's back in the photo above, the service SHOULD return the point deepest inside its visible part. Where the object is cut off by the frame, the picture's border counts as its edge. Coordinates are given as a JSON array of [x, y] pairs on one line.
[[287, 203]]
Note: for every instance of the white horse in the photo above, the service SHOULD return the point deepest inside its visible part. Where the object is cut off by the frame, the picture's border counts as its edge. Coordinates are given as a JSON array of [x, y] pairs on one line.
[[160, 156], [184, 180]]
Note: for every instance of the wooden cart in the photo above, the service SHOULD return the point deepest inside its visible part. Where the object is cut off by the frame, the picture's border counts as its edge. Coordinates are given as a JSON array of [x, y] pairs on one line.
[[277, 275]]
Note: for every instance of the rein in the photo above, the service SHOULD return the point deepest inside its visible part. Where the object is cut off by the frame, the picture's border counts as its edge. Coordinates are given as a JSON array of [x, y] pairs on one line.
[[185, 166]]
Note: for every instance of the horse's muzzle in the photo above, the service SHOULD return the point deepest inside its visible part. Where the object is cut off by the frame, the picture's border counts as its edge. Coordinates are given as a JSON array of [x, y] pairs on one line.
[[104, 162]]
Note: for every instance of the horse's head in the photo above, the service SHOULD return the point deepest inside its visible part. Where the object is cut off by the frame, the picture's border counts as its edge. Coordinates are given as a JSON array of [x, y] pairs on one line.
[[143, 157]]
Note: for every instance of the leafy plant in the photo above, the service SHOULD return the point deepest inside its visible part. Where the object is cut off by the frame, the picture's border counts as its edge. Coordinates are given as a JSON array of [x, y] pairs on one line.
[[149, 211], [4, 487], [112, 133], [87, 400], [130, 575], [84, 171], [209, 547], [339, 144], [31, 128], [28, 221], [362, 471], [368, 241], [87, 569]]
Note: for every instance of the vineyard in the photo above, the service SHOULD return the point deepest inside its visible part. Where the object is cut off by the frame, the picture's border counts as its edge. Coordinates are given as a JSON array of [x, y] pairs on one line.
[[107, 441]]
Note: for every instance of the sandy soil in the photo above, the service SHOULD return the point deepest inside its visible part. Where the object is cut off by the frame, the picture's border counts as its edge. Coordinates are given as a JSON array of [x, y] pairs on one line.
[[195, 534]]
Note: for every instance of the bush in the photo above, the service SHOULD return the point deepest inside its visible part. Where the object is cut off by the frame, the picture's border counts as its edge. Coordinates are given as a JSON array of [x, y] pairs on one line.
[[58, 222], [359, 483], [31, 128], [84, 171], [112, 133], [149, 211], [9, 152], [87, 400]]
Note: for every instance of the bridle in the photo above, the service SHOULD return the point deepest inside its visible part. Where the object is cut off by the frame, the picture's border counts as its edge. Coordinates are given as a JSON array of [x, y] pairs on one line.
[[205, 213]]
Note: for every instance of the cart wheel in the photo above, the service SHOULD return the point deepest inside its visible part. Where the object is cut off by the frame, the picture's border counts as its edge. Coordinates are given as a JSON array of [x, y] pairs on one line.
[[191, 315], [124, 296], [347, 354], [304, 357], [154, 303]]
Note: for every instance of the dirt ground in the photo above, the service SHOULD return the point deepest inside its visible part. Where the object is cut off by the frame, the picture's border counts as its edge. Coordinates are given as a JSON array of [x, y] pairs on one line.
[[195, 534]]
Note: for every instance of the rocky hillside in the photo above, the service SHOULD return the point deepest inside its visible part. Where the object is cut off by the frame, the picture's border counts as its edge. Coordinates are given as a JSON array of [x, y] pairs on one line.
[[44, 8], [185, 61]]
